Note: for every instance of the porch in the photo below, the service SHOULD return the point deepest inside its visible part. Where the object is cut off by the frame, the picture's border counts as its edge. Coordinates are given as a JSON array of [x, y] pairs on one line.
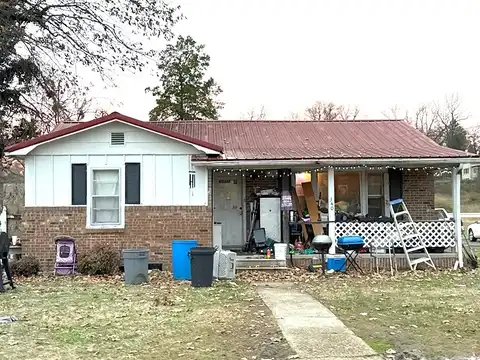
[[347, 200]]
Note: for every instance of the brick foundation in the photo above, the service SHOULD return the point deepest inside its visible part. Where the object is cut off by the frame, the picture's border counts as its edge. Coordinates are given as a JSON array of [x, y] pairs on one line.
[[153, 227], [419, 194]]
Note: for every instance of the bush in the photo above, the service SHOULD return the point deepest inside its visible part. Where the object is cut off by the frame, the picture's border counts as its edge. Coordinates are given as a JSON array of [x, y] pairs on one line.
[[26, 266], [100, 260]]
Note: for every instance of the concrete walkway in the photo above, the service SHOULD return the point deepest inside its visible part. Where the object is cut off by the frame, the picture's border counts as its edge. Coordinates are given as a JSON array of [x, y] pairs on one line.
[[312, 330]]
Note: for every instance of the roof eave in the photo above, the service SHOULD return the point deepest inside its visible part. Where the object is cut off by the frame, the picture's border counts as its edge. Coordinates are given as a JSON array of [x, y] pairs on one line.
[[399, 162]]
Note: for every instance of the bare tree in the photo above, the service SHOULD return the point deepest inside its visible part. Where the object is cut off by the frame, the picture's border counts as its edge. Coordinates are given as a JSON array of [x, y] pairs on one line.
[[348, 113], [253, 114], [394, 113], [329, 111], [293, 116], [441, 122]]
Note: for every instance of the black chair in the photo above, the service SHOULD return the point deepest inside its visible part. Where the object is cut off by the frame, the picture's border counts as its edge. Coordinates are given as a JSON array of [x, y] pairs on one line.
[[4, 249]]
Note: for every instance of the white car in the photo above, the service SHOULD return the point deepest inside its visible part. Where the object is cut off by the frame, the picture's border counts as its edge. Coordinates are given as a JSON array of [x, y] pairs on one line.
[[473, 231]]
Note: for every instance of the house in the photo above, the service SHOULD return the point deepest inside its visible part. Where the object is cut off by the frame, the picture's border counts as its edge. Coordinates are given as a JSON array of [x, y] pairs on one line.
[[128, 183], [469, 172]]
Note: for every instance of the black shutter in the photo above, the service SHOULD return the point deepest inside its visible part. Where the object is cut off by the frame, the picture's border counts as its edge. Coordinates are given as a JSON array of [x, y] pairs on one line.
[[396, 184], [132, 183], [79, 184]]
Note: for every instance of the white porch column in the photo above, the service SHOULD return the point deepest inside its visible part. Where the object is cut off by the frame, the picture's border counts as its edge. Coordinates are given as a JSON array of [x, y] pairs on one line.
[[331, 209], [456, 183]]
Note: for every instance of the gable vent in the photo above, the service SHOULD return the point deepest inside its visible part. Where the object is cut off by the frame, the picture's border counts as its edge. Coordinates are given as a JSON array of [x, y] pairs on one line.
[[117, 138]]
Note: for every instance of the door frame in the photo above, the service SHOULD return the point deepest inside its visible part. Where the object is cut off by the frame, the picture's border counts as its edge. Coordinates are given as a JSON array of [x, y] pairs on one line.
[[243, 191]]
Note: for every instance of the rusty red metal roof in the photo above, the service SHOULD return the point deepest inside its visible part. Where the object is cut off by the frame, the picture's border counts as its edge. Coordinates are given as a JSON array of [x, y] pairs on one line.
[[271, 140], [248, 140]]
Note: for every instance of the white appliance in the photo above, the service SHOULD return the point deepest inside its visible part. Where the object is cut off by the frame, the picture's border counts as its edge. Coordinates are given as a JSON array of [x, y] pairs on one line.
[[270, 217], [226, 264]]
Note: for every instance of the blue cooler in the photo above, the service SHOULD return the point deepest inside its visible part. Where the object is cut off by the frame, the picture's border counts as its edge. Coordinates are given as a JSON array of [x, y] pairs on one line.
[[336, 262], [350, 242]]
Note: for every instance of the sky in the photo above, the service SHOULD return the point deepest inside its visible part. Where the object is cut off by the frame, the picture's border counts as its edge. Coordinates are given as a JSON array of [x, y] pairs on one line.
[[287, 54]]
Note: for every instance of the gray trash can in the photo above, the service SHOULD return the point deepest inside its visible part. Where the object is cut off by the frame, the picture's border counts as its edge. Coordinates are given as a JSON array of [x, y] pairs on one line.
[[135, 263]]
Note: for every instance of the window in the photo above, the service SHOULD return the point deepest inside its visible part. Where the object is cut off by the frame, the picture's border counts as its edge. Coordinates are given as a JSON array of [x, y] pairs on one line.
[[466, 171], [105, 205], [191, 179], [376, 203], [347, 191]]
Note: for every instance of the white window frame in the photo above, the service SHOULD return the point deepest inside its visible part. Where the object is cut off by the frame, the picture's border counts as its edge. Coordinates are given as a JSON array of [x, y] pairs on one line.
[[365, 196], [121, 170]]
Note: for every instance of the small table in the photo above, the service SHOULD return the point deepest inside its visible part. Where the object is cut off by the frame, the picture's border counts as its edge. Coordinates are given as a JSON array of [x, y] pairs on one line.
[[351, 245]]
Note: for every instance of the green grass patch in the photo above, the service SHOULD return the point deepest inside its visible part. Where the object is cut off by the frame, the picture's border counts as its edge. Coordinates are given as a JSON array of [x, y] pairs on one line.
[[436, 313], [85, 318]]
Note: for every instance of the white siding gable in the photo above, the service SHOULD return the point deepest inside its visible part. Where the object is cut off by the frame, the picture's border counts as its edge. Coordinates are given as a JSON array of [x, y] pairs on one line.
[[164, 165]]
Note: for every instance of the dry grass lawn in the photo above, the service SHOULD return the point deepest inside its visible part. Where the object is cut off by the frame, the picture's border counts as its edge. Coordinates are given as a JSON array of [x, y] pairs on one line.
[[83, 318], [436, 313]]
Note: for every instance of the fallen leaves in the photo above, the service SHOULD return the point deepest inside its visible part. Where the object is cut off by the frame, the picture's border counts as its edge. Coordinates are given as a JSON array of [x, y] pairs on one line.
[[86, 317]]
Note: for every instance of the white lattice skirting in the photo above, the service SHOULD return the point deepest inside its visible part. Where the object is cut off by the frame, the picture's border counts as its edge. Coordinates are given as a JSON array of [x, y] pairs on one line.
[[377, 234]]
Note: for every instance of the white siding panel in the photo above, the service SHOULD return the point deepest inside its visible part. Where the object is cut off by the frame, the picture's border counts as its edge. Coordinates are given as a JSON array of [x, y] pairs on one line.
[[116, 160], [97, 141], [133, 158], [44, 180], [163, 180], [30, 181], [180, 170], [198, 195], [147, 178], [62, 180], [79, 159], [97, 160], [164, 164]]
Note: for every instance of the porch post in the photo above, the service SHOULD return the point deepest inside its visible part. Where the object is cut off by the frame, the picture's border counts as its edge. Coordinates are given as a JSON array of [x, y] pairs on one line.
[[313, 174], [456, 184], [331, 209]]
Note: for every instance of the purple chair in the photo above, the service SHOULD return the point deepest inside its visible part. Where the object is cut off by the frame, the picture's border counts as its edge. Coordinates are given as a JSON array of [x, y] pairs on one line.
[[66, 258]]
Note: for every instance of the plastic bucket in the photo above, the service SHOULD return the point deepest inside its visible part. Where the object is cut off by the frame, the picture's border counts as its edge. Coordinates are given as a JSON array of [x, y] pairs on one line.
[[280, 251], [180, 260]]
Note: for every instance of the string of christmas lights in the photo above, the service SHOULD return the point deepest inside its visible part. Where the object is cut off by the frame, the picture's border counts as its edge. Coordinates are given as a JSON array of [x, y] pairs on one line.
[[438, 171]]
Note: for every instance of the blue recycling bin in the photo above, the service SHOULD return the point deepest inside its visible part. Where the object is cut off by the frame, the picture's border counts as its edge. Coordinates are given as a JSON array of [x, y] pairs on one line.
[[180, 260]]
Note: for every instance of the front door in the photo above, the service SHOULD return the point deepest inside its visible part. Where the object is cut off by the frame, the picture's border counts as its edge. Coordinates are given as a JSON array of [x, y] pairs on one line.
[[227, 210]]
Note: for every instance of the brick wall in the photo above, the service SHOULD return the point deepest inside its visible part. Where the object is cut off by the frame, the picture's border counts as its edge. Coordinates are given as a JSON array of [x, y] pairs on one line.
[[153, 227], [419, 193]]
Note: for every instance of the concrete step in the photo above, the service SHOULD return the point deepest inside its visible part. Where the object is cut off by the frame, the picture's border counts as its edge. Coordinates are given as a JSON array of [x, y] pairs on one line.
[[259, 263]]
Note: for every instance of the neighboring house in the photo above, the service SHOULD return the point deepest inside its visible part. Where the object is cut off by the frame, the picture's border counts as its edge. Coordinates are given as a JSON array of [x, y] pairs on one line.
[[469, 172], [128, 183], [11, 195]]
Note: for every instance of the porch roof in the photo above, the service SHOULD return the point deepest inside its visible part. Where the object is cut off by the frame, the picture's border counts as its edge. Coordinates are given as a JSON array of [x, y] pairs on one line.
[[310, 140]]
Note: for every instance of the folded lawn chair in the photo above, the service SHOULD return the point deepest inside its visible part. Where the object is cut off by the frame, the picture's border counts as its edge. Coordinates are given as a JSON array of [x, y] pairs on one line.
[[66, 258], [4, 266]]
